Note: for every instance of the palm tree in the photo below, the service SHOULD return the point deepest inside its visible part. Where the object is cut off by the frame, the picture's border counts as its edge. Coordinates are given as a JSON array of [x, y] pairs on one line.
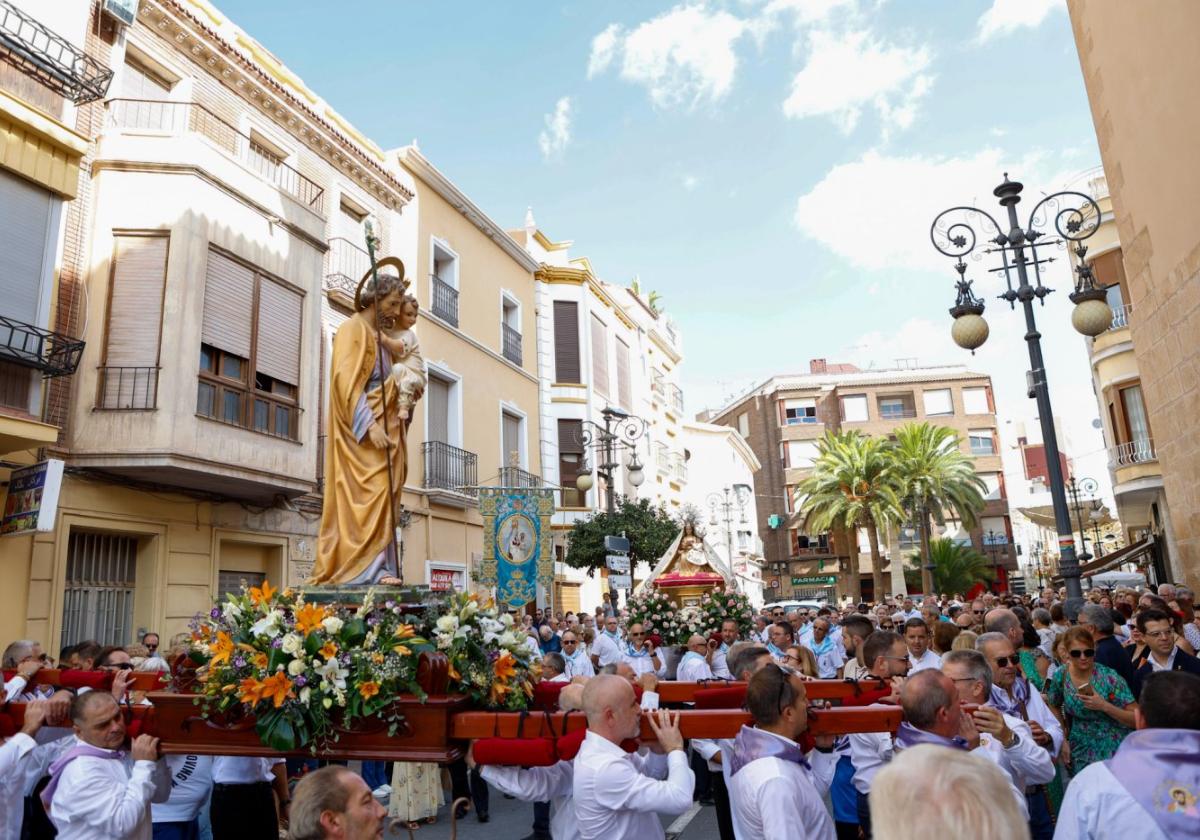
[[956, 567], [937, 478], [853, 484]]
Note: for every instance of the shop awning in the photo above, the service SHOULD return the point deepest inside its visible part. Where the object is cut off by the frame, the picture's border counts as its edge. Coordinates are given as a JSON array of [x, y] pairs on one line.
[[1128, 554]]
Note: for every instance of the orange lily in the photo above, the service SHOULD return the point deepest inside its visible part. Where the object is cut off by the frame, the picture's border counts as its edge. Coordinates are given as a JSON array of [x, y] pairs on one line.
[[329, 650], [498, 692], [452, 672], [221, 649], [505, 667], [259, 660], [309, 617], [368, 689], [250, 691], [404, 631], [278, 687], [402, 650], [263, 595]]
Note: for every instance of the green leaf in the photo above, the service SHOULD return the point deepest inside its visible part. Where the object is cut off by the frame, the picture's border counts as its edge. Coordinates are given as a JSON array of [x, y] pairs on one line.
[[276, 658], [280, 735], [353, 632], [312, 643]]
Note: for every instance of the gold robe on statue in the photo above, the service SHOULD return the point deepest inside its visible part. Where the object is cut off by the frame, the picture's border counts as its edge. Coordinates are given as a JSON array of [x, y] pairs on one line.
[[356, 525]]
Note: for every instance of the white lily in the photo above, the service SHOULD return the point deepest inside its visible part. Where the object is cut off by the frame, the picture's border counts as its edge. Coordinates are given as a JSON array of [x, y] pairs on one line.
[[269, 625], [332, 673]]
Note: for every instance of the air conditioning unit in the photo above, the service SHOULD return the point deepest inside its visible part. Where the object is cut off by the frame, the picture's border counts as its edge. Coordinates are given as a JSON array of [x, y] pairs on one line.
[[124, 11]]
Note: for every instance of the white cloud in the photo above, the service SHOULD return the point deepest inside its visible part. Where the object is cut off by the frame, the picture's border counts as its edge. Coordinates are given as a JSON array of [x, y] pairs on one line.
[[847, 72], [1007, 16], [604, 47], [690, 182], [875, 212], [555, 137], [684, 56], [808, 11]]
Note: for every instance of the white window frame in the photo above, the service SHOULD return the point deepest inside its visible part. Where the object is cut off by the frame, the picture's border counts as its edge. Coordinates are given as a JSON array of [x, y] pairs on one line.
[[507, 297], [743, 425], [992, 494], [866, 410], [790, 444], [522, 445], [925, 402], [454, 411], [979, 433], [806, 420], [436, 244]]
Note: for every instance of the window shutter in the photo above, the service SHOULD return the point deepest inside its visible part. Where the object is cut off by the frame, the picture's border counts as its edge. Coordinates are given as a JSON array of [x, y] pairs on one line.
[[511, 433], [566, 341], [24, 225], [280, 318], [438, 397], [228, 304], [135, 304], [624, 387], [599, 356]]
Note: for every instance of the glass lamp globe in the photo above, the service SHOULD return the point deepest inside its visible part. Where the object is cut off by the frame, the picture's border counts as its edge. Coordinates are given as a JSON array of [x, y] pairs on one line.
[[585, 482], [969, 331]]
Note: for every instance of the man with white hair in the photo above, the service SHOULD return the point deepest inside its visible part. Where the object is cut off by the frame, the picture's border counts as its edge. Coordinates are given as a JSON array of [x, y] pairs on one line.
[[607, 648], [640, 654], [980, 806], [696, 663], [579, 664], [617, 794]]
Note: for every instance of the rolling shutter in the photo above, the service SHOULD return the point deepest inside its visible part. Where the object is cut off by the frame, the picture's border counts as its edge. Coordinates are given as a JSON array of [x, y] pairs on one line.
[[438, 408], [566, 341], [511, 434], [624, 387], [228, 304], [135, 305], [599, 356], [280, 317], [25, 212]]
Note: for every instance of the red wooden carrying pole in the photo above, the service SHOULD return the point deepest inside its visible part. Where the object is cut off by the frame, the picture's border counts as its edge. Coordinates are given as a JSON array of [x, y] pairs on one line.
[[685, 692], [142, 680]]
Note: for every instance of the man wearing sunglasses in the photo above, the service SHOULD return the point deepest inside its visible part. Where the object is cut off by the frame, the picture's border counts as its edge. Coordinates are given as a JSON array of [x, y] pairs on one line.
[[579, 664], [640, 654]]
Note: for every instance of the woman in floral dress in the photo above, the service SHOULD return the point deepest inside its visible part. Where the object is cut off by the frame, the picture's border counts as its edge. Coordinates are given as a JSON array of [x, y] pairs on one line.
[[416, 793], [1093, 702]]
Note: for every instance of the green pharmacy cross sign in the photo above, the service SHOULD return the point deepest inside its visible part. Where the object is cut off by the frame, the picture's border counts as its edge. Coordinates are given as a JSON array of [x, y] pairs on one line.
[[819, 580]]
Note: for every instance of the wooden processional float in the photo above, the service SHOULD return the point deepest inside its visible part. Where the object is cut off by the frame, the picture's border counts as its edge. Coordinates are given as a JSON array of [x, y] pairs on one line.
[[439, 728]]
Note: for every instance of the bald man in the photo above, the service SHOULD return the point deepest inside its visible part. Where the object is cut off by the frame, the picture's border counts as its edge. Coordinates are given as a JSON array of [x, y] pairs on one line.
[[696, 664], [619, 794]]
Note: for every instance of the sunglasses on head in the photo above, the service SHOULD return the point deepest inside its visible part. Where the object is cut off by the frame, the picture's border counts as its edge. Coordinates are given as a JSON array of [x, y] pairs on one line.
[[1084, 652]]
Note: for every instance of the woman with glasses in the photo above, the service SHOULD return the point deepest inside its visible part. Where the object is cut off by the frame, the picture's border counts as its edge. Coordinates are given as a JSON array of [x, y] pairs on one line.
[[1093, 702], [801, 659]]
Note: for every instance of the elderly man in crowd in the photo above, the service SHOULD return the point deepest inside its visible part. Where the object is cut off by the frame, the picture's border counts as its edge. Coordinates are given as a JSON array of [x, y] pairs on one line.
[[609, 645], [828, 650], [578, 663], [554, 668], [334, 803], [640, 653], [920, 657], [696, 664], [619, 795], [1109, 651], [772, 790], [94, 790]]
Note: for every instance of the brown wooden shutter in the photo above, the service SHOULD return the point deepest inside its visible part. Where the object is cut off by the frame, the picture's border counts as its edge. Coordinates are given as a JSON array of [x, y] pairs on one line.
[[566, 341], [511, 434], [570, 459], [624, 386], [228, 305], [599, 356], [280, 317], [136, 300], [438, 399]]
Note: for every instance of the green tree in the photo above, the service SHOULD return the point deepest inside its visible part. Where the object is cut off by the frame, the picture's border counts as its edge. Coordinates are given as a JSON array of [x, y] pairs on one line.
[[853, 484], [936, 478], [956, 567], [650, 531]]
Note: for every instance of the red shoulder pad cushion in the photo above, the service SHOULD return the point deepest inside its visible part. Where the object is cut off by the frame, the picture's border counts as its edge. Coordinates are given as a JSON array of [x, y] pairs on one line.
[[807, 742], [630, 745], [545, 695], [569, 744], [8, 726], [516, 752], [95, 680], [868, 693], [720, 698]]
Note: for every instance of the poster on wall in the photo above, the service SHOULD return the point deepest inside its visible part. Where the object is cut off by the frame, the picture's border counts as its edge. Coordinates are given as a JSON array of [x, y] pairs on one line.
[[446, 580], [32, 499], [517, 555]]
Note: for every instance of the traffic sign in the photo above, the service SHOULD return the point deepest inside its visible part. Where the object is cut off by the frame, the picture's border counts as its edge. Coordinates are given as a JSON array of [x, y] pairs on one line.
[[615, 543], [620, 581], [617, 562]]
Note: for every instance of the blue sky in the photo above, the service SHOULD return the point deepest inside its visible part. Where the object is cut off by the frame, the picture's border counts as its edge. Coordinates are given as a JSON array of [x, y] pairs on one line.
[[770, 167]]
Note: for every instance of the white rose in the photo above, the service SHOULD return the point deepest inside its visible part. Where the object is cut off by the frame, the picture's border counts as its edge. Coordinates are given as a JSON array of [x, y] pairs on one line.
[[332, 625], [508, 640], [231, 610], [305, 694], [447, 623], [506, 620], [292, 644], [296, 667]]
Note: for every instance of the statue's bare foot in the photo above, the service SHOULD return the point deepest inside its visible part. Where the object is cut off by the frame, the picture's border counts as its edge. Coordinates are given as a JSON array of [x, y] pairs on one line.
[[390, 580]]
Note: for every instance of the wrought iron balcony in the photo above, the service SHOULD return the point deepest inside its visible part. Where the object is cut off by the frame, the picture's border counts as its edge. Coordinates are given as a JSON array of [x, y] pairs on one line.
[[51, 59], [1131, 452], [517, 477], [345, 264], [676, 399], [127, 389], [512, 344], [192, 118], [444, 300], [52, 353], [450, 468], [897, 413]]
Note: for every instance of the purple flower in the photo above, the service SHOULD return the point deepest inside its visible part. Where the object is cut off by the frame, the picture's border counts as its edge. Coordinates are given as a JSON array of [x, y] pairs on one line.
[[277, 643], [389, 604], [215, 613], [239, 662], [301, 681], [373, 620]]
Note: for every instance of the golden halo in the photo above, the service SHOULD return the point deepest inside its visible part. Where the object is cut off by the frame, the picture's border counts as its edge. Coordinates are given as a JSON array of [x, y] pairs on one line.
[[393, 262]]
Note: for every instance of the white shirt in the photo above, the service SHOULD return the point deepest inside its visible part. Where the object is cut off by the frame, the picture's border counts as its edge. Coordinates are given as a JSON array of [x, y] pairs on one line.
[[606, 649], [234, 770], [580, 665], [928, 660], [1037, 711], [693, 669], [619, 795], [720, 662], [645, 664], [561, 678], [534, 648], [771, 798], [868, 752], [1154, 666], [191, 782], [11, 755], [24, 774], [106, 799], [1097, 807], [1026, 762], [541, 784], [829, 661]]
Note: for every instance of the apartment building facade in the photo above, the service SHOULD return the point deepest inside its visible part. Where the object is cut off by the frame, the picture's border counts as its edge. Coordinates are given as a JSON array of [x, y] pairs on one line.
[[601, 345], [783, 418], [223, 237]]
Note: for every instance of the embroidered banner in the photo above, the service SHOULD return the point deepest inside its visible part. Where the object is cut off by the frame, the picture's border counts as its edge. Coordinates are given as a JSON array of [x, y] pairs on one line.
[[517, 554]]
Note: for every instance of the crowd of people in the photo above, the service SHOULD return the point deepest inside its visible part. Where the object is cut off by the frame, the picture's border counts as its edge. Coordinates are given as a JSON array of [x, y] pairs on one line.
[[1047, 719]]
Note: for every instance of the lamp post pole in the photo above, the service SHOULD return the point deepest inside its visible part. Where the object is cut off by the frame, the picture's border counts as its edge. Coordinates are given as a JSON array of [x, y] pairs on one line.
[[1076, 488], [992, 550], [726, 500], [1076, 216]]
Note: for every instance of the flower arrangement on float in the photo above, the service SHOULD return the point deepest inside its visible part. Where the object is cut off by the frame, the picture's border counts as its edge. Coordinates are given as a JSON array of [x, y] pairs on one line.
[[308, 672], [720, 605], [657, 612]]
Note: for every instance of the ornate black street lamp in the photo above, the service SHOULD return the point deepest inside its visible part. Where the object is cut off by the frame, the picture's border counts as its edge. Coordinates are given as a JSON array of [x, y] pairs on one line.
[[993, 550], [1083, 487], [1076, 217], [620, 433], [734, 498]]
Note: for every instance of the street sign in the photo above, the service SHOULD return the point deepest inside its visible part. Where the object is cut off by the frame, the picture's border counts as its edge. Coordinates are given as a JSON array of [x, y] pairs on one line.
[[620, 581], [614, 543], [617, 562], [774, 583], [819, 580], [32, 500]]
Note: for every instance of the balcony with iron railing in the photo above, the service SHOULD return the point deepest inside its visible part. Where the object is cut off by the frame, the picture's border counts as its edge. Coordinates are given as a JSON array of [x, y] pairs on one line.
[[450, 469], [512, 343], [1131, 452], [54, 354], [127, 388], [676, 394], [517, 477], [662, 459], [658, 385], [190, 118], [444, 300], [345, 265], [54, 61]]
